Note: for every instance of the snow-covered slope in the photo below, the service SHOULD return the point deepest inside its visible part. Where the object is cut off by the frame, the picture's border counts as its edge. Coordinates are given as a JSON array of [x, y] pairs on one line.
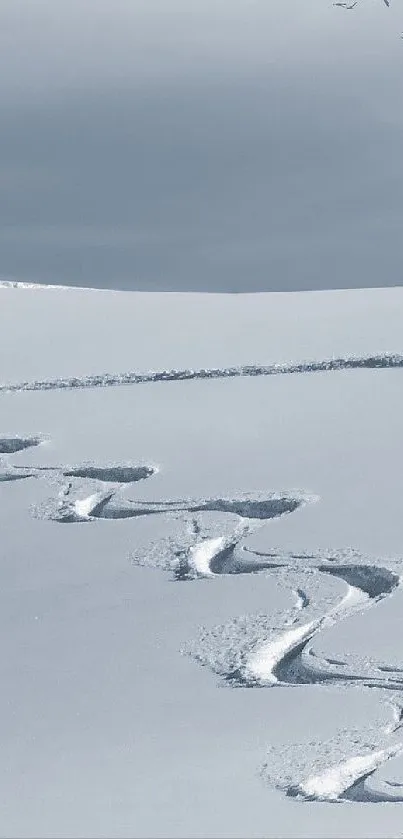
[[201, 577], [50, 333]]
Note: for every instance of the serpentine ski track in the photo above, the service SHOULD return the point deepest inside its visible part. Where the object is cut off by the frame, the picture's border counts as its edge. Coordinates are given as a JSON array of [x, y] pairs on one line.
[[210, 548]]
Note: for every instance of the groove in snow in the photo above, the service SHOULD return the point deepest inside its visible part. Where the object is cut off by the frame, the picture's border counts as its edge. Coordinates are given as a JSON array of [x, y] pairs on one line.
[[369, 362]]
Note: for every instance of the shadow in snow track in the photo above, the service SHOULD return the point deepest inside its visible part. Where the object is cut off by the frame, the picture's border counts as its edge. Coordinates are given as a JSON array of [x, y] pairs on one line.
[[112, 474], [12, 445]]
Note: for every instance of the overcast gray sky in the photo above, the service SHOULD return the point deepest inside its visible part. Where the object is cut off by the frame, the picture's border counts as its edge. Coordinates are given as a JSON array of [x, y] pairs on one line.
[[227, 145]]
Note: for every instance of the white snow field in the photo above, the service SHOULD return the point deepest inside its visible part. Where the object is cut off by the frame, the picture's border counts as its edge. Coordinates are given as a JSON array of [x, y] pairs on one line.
[[201, 564]]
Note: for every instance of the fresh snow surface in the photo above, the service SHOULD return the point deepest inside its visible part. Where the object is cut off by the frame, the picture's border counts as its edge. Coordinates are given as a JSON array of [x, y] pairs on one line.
[[201, 598]]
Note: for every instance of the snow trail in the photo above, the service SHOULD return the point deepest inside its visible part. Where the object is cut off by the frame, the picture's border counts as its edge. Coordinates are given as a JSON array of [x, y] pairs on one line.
[[381, 361], [262, 663], [335, 782], [201, 555]]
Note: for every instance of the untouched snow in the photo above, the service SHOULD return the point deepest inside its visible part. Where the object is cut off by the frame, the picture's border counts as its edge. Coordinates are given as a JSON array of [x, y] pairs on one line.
[[123, 706]]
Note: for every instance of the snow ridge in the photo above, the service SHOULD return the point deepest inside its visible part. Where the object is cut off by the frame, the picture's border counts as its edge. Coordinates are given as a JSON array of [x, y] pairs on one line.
[[341, 780], [18, 284]]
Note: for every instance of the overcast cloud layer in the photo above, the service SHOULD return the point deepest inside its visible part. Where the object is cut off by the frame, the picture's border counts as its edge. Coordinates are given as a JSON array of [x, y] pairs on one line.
[[219, 145]]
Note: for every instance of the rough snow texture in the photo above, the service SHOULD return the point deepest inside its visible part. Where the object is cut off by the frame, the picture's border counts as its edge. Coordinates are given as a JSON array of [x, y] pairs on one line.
[[259, 584], [341, 769]]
